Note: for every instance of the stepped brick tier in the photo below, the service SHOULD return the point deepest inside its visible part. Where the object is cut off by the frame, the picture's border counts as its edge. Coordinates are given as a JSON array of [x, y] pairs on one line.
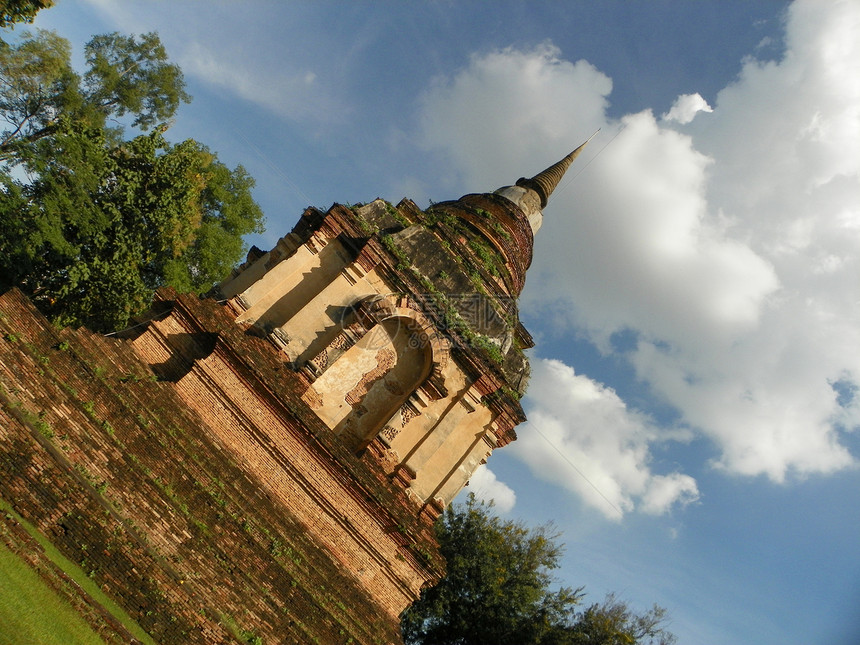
[[187, 517], [269, 461]]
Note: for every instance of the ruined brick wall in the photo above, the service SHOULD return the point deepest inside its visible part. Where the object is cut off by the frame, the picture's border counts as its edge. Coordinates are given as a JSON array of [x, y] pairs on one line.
[[186, 525]]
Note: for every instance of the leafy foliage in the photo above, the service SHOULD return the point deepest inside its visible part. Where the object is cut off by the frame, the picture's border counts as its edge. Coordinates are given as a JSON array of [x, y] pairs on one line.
[[90, 224], [12, 11], [227, 213], [498, 591], [612, 622], [102, 226], [497, 585], [125, 75]]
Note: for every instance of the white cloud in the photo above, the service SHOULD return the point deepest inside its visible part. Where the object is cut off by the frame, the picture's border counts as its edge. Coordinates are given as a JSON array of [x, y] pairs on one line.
[[582, 436], [641, 251], [665, 490], [284, 90], [785, 138], [686, 107], [730, 251], [487, 487], [211, 47], [510, 109]]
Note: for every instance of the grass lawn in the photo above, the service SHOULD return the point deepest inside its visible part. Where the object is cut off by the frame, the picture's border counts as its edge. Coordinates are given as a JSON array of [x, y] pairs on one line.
[[39, 607], [32, 612]]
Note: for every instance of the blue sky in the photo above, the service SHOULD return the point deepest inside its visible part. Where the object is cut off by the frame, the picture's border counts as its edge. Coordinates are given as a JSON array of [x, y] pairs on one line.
[[693, 424]]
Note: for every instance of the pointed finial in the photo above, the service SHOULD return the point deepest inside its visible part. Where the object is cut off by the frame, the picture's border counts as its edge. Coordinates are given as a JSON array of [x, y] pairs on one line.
[[545, 182]]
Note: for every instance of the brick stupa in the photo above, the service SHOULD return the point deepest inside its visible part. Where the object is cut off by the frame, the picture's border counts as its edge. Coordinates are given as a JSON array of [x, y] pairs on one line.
[[268, 462]]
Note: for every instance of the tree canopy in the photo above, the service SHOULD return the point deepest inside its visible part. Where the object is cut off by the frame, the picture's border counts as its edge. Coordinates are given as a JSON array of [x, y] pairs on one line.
[[126, 75], [498, 590], [12, 11], [91, 223]]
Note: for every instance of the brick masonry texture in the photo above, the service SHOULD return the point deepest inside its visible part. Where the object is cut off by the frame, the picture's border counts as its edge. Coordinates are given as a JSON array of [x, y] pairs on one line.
[[202, 495]]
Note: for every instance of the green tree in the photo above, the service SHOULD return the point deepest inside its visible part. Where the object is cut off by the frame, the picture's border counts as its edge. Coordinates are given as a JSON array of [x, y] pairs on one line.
[[126, 76], [227, 213], [91, 224], [497, 591], [102, 225], [612, 622], [12, 11]]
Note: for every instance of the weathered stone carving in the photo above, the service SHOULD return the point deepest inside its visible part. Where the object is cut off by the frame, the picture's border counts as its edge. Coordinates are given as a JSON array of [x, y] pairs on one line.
[[385, 359]]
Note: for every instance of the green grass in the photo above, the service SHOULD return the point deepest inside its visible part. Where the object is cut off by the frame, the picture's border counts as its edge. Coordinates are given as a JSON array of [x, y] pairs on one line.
[[75, 573], [32, 612]]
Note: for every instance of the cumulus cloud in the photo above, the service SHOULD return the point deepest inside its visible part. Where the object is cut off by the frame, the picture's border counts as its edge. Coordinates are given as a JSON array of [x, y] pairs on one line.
[[486, 486], [686, 107], [641, 251], [582, 435], [728, 252], [784, 137], [510, 109]]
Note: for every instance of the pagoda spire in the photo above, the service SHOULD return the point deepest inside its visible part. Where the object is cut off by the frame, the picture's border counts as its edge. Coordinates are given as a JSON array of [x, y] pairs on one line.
[[547, 181]]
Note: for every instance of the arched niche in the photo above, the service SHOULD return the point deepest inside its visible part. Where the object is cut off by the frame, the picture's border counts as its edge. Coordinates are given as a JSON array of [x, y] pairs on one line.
[[370, 381]]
